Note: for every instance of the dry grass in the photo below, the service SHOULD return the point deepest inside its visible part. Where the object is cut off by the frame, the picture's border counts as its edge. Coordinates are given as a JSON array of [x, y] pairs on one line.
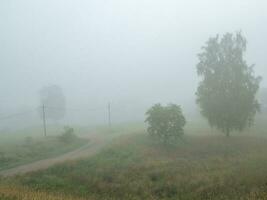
[[22, 193]]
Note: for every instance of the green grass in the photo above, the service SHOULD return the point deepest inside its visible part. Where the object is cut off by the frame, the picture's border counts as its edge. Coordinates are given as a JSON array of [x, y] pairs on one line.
[[134, 167], [25, 147], [29, 144], [205, 165]]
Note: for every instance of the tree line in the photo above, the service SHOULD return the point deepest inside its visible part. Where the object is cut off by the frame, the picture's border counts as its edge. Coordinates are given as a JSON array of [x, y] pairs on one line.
[[226, 94]]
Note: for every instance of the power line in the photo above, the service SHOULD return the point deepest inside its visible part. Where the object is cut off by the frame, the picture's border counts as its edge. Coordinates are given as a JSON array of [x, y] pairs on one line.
[[47, 107], [43, 109], [15, 115], [75, 109]]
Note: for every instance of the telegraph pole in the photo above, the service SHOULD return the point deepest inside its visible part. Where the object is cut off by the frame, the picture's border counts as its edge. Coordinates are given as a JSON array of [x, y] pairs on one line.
[[109, 115], [44, 120]]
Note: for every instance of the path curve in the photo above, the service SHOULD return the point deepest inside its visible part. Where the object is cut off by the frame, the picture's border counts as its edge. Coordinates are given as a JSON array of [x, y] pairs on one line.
[[94, 145]]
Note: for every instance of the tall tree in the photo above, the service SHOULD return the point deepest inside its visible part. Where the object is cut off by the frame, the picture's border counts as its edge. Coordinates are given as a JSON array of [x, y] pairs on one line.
[[227, 92], [53, 100]]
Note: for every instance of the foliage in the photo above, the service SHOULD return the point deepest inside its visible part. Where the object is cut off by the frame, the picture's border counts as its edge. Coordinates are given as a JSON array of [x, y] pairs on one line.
[[263, 99], [52, 97], [68, 135], [165, 123], [226, 94]]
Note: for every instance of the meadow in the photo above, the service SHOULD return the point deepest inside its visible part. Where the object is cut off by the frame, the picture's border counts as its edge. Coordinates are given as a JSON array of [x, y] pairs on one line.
[[25, 146], [204, 165]]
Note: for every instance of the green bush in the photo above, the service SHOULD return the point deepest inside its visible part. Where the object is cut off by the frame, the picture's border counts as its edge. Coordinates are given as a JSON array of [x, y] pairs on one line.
[[68, 135], [166, 123]]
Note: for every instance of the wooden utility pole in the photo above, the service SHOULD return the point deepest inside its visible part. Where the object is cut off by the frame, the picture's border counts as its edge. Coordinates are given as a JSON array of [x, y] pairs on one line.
[[109, 115], [44, 120]]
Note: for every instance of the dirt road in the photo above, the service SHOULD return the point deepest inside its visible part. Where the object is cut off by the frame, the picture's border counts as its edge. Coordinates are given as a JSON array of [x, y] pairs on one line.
[[94, 145]]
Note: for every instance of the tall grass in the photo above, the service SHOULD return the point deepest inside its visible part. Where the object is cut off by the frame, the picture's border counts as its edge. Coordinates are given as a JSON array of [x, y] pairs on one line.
[[12, 192]]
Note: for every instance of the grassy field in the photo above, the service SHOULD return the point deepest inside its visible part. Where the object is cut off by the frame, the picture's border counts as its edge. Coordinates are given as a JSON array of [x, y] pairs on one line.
[[205, 165], [22, 193], [25, 146], [134, 167]]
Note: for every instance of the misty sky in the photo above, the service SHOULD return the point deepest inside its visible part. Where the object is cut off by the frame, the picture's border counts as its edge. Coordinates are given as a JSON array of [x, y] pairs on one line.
[[129, 52]]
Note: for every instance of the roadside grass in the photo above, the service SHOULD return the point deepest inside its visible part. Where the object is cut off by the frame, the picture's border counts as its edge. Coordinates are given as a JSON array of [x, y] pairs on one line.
[[134, 167], [29, 145], [23, 147], [204, 165]]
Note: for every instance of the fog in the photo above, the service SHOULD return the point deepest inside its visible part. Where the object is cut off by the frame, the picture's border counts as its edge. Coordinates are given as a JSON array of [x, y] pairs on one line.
[[129, 53]]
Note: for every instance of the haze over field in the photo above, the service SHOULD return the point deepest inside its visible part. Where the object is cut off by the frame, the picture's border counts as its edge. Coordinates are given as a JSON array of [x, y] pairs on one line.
[[130, 53], [133, 99]]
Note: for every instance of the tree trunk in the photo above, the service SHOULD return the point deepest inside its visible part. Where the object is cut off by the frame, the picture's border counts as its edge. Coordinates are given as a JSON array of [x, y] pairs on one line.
[[227, 133]]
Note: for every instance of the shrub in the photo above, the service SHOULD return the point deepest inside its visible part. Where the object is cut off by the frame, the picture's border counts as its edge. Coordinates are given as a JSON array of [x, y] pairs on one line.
[[68, 135], [165, 122]]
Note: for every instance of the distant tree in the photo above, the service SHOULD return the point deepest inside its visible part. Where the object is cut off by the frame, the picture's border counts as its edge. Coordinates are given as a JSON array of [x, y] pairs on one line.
[[53, 99], [227, 91], [165, 123]]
